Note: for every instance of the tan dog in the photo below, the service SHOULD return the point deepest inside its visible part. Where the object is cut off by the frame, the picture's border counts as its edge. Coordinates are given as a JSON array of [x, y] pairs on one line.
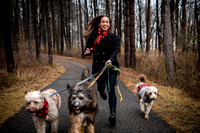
[[146, 95], [44, 109], [82, 104]]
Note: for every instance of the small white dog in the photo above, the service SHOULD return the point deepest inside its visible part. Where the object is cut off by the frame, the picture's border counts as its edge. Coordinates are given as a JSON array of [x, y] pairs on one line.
[[44, 109], [146, 95]]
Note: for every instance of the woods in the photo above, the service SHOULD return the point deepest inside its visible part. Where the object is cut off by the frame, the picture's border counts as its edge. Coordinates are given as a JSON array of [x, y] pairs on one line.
[[167, 28]]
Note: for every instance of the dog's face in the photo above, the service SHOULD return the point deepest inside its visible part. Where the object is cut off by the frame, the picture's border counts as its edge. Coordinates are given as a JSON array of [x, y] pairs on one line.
[[34, 102], [151, 92], [79, 98]]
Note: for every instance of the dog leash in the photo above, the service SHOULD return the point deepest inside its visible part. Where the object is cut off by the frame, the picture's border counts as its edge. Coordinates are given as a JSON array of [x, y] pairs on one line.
[[79, 82]]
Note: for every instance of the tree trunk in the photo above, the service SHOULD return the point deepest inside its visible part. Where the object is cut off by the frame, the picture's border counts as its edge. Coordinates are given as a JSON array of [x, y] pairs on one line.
[[95, 8], [183, 25], [29, 27], [35, 26], [198, 41], [108, 8], [62, 27], [81, 29], [168, 47], [177, 29], [55, 33], [158, 28], [16, 27], [127, 34], [48, 24], [6, 33], [172, 17], [132, 35], [140, 24], [116, 17], [148, 22], [86, 14]]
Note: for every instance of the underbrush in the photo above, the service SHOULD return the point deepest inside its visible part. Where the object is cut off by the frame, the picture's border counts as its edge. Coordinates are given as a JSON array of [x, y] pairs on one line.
[[153, 66]]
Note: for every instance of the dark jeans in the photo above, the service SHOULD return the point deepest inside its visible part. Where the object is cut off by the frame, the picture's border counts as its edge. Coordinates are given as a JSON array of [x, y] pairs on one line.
[[103, 79]]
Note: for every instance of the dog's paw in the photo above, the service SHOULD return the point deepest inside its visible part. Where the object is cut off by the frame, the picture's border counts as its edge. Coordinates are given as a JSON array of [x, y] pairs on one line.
[[146, 117]]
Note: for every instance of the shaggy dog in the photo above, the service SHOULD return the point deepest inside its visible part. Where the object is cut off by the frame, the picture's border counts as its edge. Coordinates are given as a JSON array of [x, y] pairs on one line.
[[43, 109], [82, 104], [146, 95]]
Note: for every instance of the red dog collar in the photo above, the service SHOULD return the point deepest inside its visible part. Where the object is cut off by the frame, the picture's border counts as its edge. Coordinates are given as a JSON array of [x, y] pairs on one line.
[[43, 112]]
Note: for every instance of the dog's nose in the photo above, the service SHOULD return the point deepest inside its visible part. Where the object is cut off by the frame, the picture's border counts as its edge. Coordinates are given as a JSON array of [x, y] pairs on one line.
[[76, 104]]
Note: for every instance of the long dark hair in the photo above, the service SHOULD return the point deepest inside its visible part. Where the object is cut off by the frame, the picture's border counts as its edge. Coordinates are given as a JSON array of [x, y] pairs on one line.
[[94, 24]]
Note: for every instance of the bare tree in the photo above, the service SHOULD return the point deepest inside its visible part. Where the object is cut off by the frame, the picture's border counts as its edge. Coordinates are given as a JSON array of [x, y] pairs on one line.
[[183, 25], [168, 47], [108, 8], [81, 29], [116, 17], [140, 23], [172, 16], [34, 7], [127, 33], [62, 26], [158, 28], [28, 33], [16, 27], [48, 24], [132, 35], [6, 34], [148, 24], [86, 14], [177, 17], [95, 8]]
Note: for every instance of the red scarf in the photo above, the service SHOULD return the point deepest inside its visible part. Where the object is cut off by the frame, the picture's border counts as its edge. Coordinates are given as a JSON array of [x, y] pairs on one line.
[[101, 34], [43, 112], [141, 86]]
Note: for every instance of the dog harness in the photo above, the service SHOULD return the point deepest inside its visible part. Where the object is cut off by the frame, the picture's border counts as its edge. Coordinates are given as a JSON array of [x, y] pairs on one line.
[[141, 90], [43, 112], [141, 86]]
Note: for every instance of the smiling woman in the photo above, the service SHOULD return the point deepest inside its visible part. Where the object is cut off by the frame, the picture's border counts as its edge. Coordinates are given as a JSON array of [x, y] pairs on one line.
[[104, 46]]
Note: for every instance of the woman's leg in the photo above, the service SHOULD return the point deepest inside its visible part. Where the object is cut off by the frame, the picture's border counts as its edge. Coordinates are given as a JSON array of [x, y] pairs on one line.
[[112, 98], [101, 86]]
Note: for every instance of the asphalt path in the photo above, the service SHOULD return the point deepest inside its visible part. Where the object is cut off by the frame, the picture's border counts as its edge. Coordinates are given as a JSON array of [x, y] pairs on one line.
[[129, 118]]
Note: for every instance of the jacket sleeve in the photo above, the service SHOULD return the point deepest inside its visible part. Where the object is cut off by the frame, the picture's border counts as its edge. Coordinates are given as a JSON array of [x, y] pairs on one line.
[[116, 47], [89, 44]]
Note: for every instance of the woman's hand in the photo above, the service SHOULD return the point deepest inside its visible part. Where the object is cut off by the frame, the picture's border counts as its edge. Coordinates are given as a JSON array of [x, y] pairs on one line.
[[108, 62], [87, 51]]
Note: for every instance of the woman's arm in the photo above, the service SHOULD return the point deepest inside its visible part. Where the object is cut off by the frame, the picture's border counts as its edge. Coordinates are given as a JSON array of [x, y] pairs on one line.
[[116, 47], [89, 44]]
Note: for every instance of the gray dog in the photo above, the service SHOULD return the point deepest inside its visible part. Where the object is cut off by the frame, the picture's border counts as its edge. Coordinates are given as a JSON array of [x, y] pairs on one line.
[[146, 95]]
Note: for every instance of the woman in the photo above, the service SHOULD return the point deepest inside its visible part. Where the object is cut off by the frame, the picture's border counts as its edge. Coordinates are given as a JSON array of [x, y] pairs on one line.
[[104, 45]]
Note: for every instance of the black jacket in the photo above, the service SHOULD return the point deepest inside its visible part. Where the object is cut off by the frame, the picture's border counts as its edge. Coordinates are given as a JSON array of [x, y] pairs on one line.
[[107, 49]]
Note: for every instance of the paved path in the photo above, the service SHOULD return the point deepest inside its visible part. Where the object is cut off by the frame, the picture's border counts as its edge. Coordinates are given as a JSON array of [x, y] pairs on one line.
[[129, 119]]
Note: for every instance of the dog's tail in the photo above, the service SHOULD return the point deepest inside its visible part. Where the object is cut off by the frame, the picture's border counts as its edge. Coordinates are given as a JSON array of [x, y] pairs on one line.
[[86, 73], [142, 78]]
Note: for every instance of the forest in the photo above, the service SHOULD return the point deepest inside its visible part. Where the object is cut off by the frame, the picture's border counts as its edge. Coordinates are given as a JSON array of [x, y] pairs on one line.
[[160, 38]]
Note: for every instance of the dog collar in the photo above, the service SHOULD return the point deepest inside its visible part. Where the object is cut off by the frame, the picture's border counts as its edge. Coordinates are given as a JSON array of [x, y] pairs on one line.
[[43, 112], [141, 86]]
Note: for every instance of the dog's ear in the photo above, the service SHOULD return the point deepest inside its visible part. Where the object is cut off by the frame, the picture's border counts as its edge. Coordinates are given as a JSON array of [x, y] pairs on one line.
[[68, 86], [38, 88], [146, 92], [26, 92]]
